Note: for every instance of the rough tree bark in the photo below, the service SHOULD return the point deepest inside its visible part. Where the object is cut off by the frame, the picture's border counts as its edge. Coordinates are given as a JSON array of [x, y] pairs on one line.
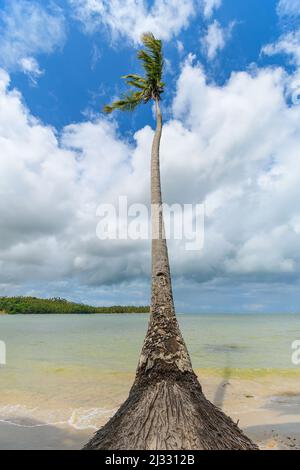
[[166, 408]]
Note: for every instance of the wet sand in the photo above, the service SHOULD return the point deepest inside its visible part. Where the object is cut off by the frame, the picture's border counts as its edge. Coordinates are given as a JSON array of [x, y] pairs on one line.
[[266, 407], [33, 435]]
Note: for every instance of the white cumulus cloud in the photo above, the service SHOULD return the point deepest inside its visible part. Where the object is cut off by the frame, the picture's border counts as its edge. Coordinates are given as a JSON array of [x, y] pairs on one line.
[[235, 147], [209, 6], [216, 38], [30, 67], [27, 30], [289, 41], [131, 18], [288, 8], [288, 44]]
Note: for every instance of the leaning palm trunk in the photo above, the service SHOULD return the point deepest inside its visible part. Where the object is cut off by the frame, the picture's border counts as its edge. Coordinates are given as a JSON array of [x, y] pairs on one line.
[[166, 409], [163, 343]]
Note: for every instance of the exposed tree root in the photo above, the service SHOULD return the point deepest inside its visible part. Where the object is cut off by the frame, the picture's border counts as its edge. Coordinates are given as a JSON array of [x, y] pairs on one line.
[[167, 410]]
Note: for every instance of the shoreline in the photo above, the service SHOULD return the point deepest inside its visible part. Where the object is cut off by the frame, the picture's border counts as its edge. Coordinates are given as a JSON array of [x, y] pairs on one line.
[[65, 376], [39, 436], [266, 407], [73, 313], [34, 305]]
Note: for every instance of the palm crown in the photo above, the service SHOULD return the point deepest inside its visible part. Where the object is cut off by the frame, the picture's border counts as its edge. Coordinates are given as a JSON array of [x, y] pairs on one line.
[[148, 87]]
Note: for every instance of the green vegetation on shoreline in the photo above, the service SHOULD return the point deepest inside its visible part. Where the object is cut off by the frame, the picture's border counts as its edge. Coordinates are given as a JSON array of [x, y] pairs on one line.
[[33, 305]]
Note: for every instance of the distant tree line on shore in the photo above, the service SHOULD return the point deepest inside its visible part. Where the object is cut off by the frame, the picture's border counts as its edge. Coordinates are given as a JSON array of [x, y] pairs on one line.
[[33, 305]]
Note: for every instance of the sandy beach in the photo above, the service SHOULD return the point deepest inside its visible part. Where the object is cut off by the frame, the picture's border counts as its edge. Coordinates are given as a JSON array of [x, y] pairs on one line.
[[267, 409]]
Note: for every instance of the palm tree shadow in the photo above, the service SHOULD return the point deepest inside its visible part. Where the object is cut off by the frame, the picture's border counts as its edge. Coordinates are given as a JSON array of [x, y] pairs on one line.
[[220, 393]]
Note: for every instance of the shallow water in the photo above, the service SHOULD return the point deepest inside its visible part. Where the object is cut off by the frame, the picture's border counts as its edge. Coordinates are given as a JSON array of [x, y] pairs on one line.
[[76, 369]]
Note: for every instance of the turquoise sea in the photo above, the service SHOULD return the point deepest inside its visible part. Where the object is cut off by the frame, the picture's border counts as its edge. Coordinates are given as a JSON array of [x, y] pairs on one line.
[[113, 342], [77, 369]]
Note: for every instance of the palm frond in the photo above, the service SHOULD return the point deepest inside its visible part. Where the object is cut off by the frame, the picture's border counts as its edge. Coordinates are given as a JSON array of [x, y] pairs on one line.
[[146, 87], [128, 103], [136, 77], [136, 81], [152, 57]]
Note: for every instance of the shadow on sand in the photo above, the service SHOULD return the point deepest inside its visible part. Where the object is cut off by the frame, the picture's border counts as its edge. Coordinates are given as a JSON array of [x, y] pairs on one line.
[[222, 387]]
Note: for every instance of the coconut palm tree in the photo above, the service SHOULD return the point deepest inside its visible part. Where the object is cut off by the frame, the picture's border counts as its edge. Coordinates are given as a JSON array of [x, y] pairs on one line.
[[166, 408]]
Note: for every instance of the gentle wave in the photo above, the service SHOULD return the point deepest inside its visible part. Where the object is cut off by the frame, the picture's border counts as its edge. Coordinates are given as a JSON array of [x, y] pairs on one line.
[[87, 419], [79, 419]]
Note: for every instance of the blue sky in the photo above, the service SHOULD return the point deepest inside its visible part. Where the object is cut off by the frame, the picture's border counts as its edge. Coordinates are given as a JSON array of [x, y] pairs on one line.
[[231, 138], [83, 71]]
